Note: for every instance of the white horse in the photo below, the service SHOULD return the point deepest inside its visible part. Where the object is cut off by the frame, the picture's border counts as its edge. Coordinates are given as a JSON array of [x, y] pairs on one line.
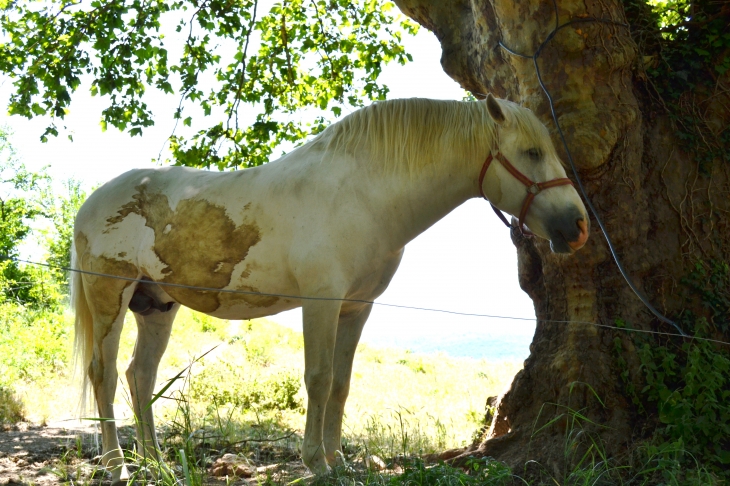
[[330, 219]]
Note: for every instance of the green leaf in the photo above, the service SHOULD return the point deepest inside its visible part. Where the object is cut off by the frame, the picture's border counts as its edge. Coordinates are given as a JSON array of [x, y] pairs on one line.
[[38, 109], [299, 57]]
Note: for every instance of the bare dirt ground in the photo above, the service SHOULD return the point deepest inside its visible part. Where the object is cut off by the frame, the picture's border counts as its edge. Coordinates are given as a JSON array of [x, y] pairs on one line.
[[66, 453], [32, 454]]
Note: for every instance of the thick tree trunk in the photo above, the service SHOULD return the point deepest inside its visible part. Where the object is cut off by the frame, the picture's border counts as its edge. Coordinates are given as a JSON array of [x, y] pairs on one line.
[[660, 210]]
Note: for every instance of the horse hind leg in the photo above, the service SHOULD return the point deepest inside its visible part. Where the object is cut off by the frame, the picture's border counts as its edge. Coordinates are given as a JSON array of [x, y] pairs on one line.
[[107, 301], [154, 312]]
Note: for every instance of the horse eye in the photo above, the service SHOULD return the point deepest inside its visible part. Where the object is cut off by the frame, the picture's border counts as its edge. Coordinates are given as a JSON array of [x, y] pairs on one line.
[[534, 154]]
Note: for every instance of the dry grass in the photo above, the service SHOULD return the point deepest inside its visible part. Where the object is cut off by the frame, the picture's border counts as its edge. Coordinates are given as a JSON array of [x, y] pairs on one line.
[[436, 396], [248, 390]]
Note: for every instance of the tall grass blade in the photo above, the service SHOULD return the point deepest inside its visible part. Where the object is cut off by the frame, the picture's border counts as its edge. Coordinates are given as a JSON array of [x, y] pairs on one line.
[[172, 380]]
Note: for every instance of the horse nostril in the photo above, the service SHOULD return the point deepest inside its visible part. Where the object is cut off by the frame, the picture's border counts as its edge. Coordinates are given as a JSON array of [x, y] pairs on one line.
[[582, 224]]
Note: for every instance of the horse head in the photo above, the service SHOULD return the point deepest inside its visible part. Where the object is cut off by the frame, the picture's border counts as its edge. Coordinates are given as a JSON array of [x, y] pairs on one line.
[[529, 180]]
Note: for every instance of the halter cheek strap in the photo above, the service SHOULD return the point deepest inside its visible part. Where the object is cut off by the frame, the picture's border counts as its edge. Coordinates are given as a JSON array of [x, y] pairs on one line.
[[533, 188]]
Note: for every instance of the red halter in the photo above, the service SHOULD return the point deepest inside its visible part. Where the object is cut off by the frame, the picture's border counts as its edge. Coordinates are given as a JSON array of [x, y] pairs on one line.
[[533, 188]]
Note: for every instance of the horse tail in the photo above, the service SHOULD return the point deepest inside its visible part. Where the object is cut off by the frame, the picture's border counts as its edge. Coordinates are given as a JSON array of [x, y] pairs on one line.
[[83, 327]]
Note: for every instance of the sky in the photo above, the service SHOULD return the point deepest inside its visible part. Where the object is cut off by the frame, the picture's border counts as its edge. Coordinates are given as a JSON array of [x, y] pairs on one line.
[[464, 263]]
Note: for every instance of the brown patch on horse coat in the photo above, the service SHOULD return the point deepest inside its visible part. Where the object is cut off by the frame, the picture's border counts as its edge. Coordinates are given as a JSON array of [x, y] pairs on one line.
[[229, 298], [99, 290], [198, 243]]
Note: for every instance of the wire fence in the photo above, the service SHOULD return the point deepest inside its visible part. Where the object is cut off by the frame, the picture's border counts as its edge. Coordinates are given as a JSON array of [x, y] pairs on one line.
[[364, 301]]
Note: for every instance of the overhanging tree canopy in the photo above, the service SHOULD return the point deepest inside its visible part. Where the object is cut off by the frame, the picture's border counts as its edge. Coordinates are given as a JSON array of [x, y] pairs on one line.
[[236, 54]]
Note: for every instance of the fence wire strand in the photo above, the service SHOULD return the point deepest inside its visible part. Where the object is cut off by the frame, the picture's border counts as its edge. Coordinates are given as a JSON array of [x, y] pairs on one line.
[[362, 301]]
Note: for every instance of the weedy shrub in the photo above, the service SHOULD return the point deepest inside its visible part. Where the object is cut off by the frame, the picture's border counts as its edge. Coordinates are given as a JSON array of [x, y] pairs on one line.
[[224, 384], [417, 365], [11, 408], [34, 343], [690, 387], [210, 324], [687, 383], [242, 375]]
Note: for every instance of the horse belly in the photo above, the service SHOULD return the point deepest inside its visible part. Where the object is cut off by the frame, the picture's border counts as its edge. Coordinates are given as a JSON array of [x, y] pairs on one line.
[[260, 285], [249, 309], [240, 300]]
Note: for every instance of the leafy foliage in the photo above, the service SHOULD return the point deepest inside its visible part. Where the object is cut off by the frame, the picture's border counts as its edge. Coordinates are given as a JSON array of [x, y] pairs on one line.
[[711, 283], [224, 385], [61, 210], [686, 55], [26, 198], [34, 343], [691, 389], [301, 54], [11, 408], [688, 385], [18, 206]]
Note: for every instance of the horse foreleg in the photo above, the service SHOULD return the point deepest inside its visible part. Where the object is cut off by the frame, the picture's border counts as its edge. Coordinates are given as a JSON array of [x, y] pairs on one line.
[[320, 328], [349, 330], [153, 334], [103, 376]]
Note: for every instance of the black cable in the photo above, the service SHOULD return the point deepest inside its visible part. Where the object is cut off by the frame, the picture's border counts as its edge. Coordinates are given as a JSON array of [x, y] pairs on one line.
[[534, 58]]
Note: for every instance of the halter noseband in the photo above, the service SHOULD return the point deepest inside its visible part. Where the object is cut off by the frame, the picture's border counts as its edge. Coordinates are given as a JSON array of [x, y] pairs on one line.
[[533, 188]]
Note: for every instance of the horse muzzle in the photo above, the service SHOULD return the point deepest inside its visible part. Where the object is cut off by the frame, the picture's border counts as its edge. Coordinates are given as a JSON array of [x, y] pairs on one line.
[[582, 237], [569, 231]]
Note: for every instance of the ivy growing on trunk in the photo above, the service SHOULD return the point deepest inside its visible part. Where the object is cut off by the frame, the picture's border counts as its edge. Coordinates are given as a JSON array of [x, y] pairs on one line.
[[685, 48]]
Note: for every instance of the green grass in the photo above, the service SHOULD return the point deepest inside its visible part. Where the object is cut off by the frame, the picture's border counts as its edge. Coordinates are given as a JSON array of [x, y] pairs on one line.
[[237, 388], [35, 356], [254, 377], [246, 394]]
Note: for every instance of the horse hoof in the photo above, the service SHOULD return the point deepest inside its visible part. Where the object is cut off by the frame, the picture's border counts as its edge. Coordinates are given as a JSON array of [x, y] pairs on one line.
[[320, 470], [126, 482]]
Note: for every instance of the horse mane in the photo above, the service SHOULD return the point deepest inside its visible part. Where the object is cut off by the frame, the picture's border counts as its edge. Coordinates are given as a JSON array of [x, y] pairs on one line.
[[411, 133]]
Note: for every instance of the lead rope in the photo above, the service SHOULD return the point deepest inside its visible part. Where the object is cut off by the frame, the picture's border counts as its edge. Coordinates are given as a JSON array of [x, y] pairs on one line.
[[534, 58]]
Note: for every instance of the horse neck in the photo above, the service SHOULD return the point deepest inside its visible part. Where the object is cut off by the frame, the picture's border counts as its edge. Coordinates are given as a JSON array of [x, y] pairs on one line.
[[415, 199]]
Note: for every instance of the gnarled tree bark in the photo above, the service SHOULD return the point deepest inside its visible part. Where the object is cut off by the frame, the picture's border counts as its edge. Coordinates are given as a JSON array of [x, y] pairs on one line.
[[660, 210]]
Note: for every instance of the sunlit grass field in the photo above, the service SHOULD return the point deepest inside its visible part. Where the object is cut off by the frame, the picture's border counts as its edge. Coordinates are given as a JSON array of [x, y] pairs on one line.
[[255, 374], [251, 380], [236, 390]]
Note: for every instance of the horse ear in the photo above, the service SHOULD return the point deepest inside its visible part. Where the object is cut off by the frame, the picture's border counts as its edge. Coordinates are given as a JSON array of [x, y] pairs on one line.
[[495, 110]]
